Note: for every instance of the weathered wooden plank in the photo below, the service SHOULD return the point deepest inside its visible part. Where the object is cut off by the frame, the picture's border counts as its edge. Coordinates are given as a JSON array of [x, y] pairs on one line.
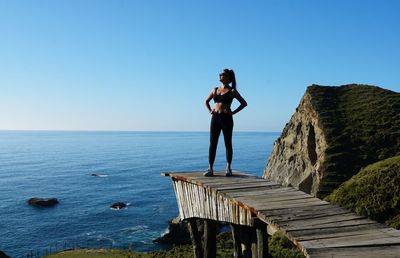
[[259, 205], [263, 192], [284, 199], [180, 199], [198, 176], [240, 192], [220, 179], [218, 187], [322, 209], [278, 199], [307, 215], [177, 195], [244, 186], [355, 252], [272, 188], [355, 237], [331, 225], [340, 233], [298, 211], [278, 195], [267, 192], [171, 173], [247, 188], [297, 233], [326, 220], [185, 175], [210, 180], [350, 241], [231, 180]]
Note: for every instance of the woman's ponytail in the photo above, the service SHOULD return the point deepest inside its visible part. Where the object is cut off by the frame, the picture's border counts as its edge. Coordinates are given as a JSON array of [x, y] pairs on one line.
[[232, 78]]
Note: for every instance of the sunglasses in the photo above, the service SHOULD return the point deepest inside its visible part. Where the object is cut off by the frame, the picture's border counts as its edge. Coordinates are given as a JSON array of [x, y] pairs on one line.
[[223, 74]]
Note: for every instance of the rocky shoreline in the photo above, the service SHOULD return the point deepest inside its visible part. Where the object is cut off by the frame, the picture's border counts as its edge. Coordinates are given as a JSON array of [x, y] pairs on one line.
[[3, 255], [177, 233]]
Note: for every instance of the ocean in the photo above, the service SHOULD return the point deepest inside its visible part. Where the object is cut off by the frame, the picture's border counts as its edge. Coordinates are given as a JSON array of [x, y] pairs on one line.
[[128, 166]]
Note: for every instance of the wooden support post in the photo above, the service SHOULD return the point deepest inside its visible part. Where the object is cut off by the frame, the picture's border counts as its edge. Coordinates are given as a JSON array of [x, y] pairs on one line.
[[245, 239], [237, 248], [262, 238], [210, 238], [254, 243], [195, 236]]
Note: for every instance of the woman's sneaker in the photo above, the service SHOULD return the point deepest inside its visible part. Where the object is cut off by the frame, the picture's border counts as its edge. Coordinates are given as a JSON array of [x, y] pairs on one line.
[[209, 172], [228, 172]]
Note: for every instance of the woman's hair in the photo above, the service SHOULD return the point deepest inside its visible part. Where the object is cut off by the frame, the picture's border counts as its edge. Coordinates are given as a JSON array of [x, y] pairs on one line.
[[232, 78]]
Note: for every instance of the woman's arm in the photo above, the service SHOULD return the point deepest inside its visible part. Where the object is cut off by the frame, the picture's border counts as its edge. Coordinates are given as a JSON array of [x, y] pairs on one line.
[[241, 100], [207, 101]]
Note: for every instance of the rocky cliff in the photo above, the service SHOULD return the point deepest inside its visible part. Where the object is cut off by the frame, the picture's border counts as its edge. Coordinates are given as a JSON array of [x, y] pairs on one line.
[[334, 132]]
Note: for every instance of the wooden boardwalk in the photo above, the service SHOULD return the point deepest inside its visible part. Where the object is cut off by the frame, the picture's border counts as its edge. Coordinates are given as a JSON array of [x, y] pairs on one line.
[[316, 227]]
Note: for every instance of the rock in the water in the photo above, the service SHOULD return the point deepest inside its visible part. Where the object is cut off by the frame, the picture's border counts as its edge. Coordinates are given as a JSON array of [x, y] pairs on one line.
[[118, 205], [3, 255], [177, 233], [99, 175], [334, 132], [43, 202]]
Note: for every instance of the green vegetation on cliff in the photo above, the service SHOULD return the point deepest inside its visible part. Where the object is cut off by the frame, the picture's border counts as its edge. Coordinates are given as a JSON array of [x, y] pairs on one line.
[[362, 126], [280, 246], [373, 192]]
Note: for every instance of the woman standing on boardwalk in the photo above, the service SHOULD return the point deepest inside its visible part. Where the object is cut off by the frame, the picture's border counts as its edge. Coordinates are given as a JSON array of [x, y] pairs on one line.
[[221, 117]]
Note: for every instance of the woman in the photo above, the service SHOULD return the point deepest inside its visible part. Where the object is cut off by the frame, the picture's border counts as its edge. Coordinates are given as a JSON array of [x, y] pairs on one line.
[[222, 117]]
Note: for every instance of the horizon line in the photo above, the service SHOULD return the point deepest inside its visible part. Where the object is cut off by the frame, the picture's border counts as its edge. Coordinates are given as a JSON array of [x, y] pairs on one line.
[[139, 131]]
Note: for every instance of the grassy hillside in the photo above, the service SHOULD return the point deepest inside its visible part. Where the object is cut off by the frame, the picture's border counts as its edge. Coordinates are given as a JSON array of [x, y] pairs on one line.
[[373, 192], [362, 126]]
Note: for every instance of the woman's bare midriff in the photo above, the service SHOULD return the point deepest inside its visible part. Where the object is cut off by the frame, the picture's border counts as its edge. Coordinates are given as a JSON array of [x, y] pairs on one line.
[[222, 108]]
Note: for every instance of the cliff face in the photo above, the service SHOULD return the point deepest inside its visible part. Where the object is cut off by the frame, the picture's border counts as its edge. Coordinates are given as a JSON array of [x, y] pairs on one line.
[[299, 152], [333, 133]]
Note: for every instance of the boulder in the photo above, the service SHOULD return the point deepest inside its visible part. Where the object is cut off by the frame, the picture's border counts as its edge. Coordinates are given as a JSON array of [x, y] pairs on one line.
[[334, 132], [43, 202], [118, 205]]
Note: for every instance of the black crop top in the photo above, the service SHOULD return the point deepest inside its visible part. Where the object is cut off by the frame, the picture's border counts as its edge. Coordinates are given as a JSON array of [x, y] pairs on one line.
[[225, 98]]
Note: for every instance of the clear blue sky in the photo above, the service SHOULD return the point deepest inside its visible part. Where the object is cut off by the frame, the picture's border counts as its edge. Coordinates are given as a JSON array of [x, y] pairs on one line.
[[148, 65]]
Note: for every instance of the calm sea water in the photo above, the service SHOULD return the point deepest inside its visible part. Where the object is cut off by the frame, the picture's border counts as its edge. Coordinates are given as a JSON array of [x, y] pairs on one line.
[[61, 164]]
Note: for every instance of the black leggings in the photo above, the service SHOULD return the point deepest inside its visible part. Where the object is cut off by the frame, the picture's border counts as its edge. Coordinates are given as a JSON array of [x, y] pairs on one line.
[[224, 122]]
